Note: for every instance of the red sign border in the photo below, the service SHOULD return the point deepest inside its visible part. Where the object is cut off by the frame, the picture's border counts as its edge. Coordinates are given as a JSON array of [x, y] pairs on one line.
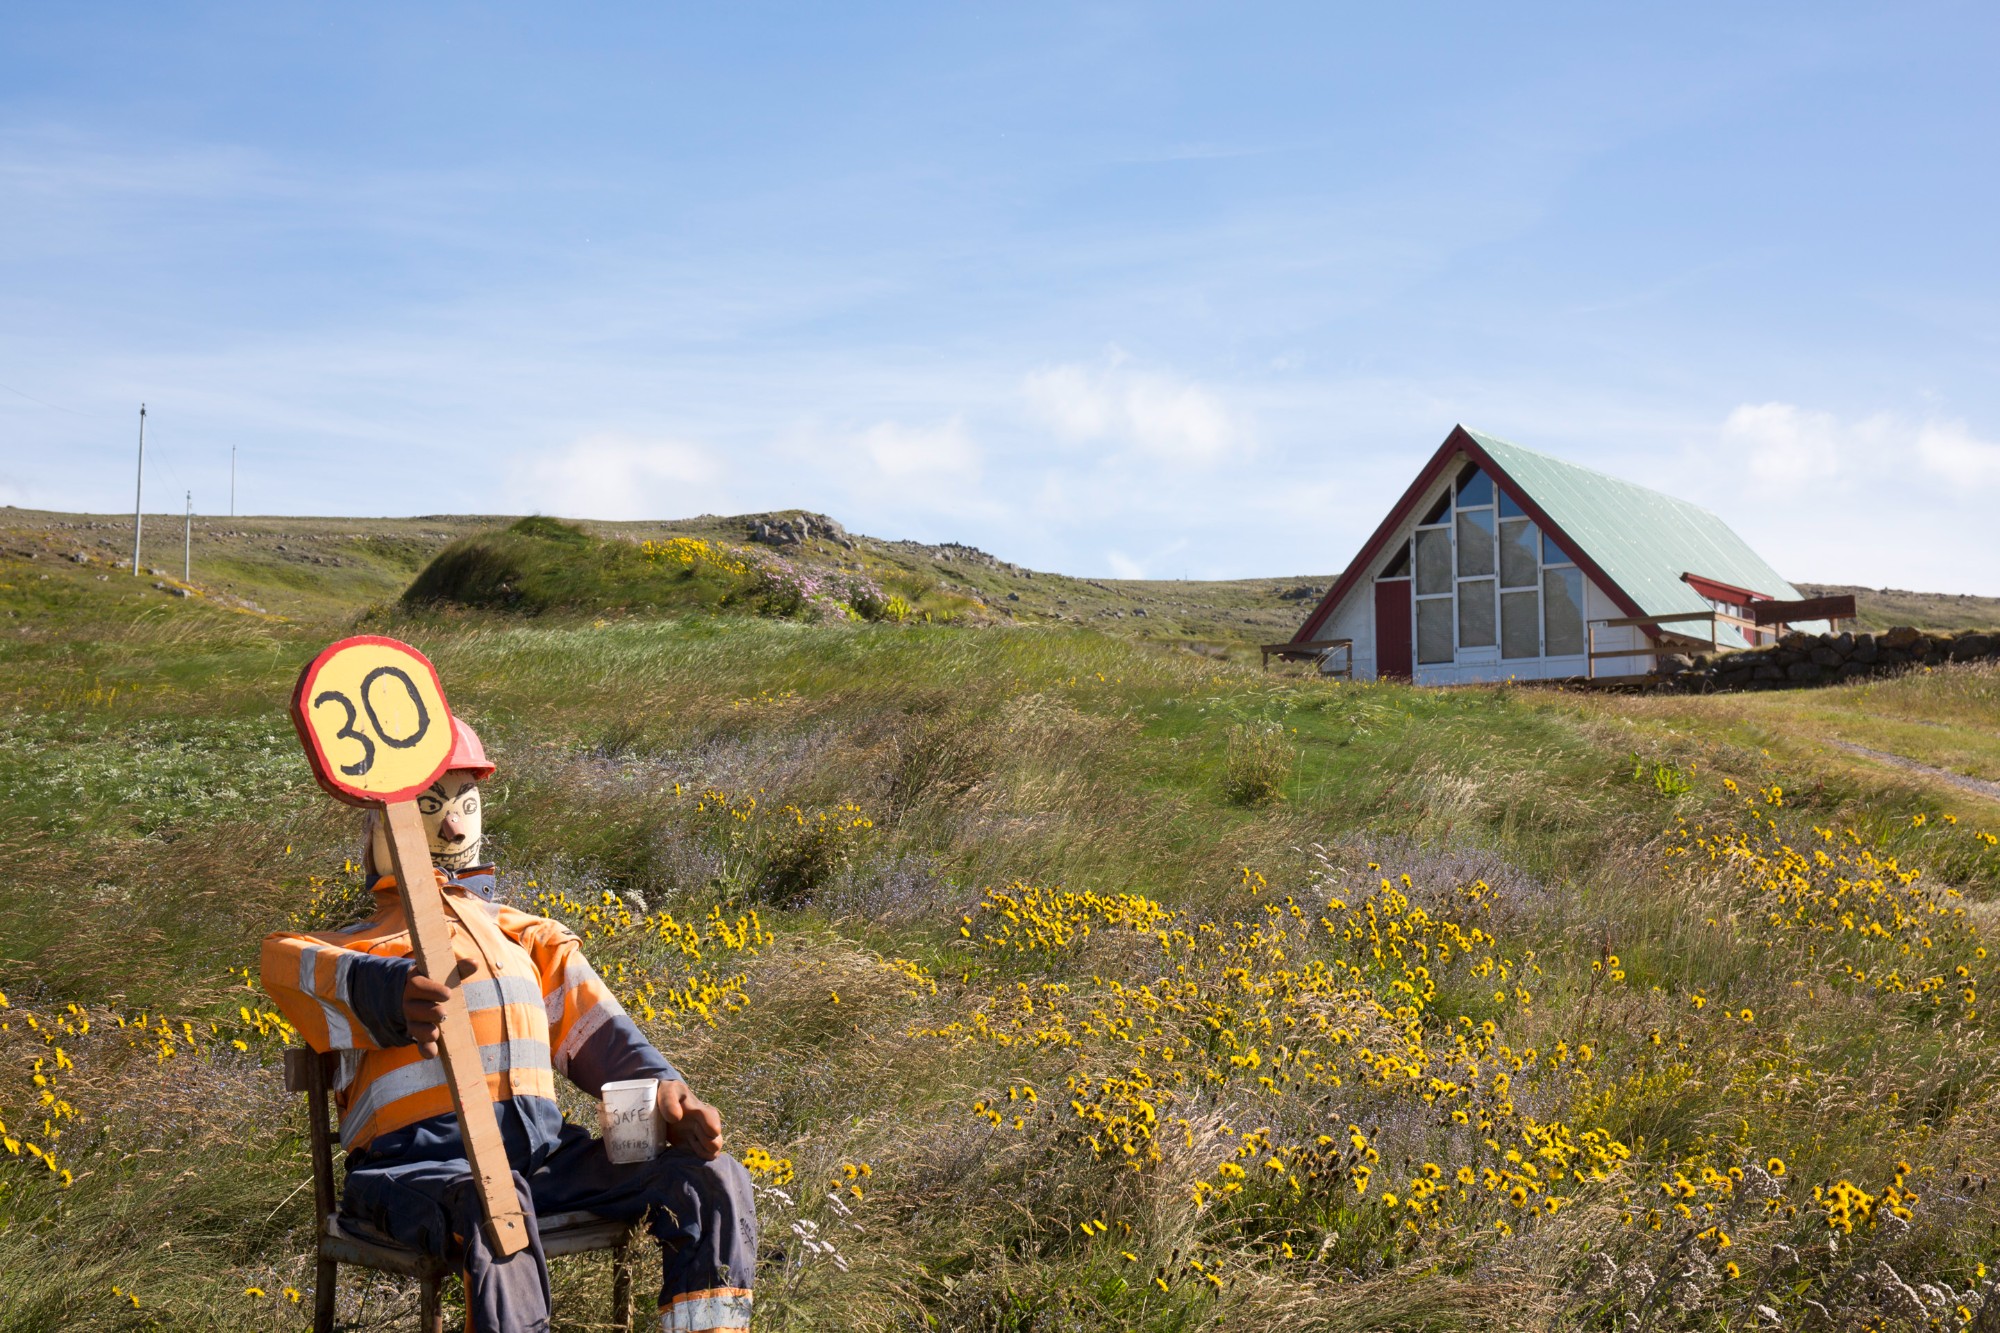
[[317, 760]]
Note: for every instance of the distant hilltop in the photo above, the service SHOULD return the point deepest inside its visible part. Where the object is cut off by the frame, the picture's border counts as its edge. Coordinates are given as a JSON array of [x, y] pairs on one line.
[[333, 568]]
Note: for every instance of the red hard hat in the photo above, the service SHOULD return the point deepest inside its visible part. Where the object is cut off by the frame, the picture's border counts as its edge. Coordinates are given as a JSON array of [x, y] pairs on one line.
[[467, 752]]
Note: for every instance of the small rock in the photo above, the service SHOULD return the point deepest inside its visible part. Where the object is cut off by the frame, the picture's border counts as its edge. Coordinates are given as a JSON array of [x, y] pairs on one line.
[[1013, 596]]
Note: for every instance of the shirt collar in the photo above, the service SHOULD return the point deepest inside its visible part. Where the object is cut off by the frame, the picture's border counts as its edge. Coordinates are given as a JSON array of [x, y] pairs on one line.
[[477, 881]]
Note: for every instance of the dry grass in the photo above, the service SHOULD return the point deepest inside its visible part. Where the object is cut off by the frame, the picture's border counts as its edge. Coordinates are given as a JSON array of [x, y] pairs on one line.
[[979, 761]]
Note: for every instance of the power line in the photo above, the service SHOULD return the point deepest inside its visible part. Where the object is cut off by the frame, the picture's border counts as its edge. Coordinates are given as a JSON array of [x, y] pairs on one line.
[[53, 407]]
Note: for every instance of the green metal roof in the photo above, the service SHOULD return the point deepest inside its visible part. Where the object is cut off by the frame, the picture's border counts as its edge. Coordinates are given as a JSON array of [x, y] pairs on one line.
[[1643, 540]]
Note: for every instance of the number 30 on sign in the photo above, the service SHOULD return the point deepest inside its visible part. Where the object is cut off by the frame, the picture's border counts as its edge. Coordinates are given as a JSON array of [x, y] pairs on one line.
[[373, 719]]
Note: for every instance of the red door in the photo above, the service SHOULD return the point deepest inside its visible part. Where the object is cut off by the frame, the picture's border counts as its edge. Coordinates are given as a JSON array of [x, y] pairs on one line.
[[1392, 629]]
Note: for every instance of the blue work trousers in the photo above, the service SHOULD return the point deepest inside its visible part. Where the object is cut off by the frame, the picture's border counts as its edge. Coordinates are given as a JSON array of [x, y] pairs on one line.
[[703, 1214]]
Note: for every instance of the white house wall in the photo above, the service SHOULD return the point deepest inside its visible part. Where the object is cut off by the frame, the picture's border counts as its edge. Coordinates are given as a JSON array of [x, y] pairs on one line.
[[1354, 618], [1598, 606]]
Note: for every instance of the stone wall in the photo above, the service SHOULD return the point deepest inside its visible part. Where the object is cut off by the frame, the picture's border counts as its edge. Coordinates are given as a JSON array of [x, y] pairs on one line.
[[1819, 659]]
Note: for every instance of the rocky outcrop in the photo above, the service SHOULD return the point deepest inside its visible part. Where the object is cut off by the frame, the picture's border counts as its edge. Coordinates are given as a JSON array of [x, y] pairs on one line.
[[783, 530], [1823, 659]]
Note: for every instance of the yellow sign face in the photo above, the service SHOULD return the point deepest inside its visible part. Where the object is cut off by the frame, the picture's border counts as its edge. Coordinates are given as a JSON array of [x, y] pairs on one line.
[[372, 716]]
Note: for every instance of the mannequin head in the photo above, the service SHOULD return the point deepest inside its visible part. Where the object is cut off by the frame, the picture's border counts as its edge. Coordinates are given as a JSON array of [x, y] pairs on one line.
[[450, 808]]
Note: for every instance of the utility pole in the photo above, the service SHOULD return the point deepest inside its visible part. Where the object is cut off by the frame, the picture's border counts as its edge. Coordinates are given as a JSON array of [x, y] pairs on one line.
[[139, 493], [187, 542], [232, 481]]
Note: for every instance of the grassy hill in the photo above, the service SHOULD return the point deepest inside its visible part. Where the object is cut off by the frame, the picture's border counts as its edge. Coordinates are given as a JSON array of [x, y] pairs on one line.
[[1152, 991], [1882, 608], [332, 569]]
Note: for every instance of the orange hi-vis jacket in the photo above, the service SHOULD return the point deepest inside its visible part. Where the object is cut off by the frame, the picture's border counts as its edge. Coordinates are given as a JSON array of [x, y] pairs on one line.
[[538, 1009]]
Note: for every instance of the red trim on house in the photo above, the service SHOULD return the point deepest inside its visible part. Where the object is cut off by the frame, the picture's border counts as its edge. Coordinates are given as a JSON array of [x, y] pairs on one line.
[[1723, 592], [1460, 441]]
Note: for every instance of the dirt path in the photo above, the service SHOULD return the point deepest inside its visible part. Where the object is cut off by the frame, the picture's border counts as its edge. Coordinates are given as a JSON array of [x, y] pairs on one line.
[[1977, 786]]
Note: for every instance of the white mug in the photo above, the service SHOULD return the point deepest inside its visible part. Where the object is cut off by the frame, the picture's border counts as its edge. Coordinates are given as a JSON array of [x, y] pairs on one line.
[[631, 1126]]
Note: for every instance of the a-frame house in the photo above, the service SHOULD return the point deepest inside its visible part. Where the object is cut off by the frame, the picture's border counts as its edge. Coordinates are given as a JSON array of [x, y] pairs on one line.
[[1503, 563]]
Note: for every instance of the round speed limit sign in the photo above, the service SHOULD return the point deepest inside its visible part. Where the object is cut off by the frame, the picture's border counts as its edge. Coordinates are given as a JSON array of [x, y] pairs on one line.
[[373, 719]]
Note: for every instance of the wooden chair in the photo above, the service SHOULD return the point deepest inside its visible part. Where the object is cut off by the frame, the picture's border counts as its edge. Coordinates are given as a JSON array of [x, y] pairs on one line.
[[345, 1241]]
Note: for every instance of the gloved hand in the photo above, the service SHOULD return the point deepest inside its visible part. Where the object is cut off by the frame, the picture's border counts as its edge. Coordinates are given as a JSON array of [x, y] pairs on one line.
[[423, 1006], [688, 1121], [691, 1122]]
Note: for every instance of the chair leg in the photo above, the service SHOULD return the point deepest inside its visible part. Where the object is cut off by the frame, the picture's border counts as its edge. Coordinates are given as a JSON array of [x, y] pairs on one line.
[[430, 1306], [323, 1291], [621, 1286]]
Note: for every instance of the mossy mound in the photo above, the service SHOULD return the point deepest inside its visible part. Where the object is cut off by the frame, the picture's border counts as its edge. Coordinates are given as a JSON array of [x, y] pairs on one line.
[[539, 565]]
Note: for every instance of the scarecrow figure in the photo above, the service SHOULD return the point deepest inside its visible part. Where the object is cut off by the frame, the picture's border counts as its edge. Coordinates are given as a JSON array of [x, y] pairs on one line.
[[538, 1009]]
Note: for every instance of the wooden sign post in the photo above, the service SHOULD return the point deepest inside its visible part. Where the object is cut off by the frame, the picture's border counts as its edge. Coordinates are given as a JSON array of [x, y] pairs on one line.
[[371, 714]]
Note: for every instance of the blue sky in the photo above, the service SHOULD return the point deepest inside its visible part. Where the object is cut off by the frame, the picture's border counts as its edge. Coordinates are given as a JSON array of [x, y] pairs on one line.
[[1159, 290]]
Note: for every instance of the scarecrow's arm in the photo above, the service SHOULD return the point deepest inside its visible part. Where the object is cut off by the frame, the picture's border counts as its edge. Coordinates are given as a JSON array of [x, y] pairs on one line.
[[339, 999], [592, 1040]]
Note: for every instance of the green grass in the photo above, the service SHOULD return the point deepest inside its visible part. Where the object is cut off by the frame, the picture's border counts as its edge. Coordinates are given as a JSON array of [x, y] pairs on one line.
[[157, 820]]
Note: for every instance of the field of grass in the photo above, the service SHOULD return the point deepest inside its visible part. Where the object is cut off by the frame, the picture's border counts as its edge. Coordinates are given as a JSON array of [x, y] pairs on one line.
[[1061, 979]]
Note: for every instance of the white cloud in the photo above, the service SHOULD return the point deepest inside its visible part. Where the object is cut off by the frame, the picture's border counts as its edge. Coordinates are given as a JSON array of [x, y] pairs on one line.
[[1154, 415], [1949, 450], [618, 476], [1790, 447], [1124, 566], [900, 452], [1886, 499], [1783, 443]]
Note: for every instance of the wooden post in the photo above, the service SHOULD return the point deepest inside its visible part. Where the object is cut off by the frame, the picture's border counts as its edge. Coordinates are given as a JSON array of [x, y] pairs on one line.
[[430, 939], [327, 1272]]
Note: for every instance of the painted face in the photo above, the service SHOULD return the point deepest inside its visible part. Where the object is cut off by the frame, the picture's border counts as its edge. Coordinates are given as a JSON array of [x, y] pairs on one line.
[[450, 807]]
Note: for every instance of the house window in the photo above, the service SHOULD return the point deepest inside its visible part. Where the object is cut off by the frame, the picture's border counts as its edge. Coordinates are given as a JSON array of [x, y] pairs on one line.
[[1562, 612], [1475, 542], [1520, 624], [1473, 528], [1520, 566], [1433, 561], [1433, 585], [1487, 577], [1434, 630], [1475, 613]]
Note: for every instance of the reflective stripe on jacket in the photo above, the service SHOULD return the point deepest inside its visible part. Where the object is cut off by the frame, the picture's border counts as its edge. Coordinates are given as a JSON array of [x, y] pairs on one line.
[[534, 999]]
